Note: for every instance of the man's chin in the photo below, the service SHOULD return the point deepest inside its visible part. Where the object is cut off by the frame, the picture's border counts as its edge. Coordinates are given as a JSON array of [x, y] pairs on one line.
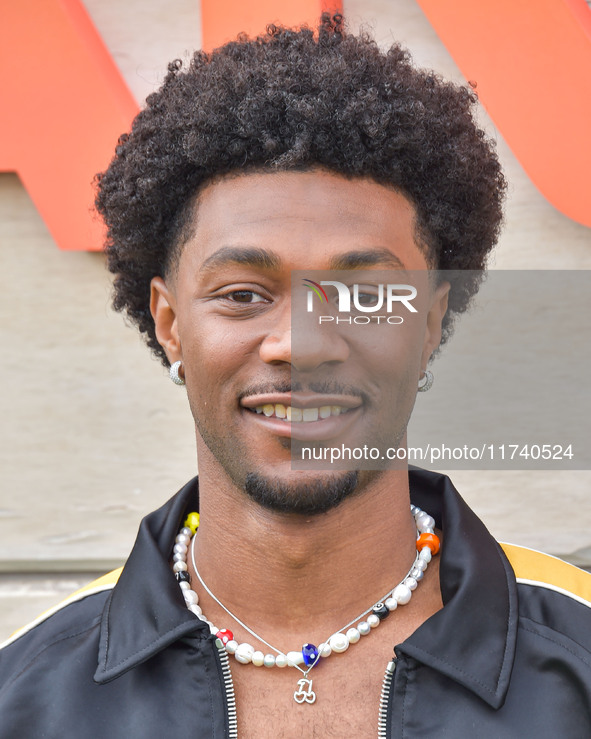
[[310, 497]]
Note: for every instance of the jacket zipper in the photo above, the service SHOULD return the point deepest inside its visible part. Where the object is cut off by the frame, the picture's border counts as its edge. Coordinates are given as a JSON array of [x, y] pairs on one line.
[[229, 694], [384, 700]]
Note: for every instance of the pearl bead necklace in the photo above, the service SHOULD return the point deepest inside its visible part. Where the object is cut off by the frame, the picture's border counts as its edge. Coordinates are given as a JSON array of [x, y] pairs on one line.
[[309, 655]]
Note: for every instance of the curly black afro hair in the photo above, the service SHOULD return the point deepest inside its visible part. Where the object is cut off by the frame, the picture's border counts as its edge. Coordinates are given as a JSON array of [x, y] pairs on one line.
[[295, 99]]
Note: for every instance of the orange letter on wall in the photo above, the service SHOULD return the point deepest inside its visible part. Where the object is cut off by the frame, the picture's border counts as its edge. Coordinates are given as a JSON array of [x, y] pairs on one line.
[[532, 64], [223, 20], [64, 104]]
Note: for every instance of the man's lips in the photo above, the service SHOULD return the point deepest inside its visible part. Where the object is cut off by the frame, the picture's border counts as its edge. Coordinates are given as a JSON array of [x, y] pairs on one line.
[[308, 417]]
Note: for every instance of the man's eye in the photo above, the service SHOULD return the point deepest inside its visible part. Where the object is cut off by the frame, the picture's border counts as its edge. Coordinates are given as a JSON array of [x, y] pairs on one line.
[[367, 299], [245, 296]]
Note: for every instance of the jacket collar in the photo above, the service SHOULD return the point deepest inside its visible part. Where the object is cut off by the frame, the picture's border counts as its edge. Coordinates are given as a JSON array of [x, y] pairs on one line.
[[143, 615], [146, 611], [472, 639]]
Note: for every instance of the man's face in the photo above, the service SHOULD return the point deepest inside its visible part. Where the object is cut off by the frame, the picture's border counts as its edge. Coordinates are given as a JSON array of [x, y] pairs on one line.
[[227, 313]]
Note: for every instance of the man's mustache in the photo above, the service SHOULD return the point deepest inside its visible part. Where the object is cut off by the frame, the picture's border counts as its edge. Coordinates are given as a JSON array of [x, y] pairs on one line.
[[324, 387]]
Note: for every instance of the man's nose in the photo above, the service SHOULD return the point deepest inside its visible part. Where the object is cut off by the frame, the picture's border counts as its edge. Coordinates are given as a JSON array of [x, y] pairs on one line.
[[303, 342]]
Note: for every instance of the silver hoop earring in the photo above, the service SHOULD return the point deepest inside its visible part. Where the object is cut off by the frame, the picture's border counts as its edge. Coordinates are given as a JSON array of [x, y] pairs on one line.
[[426, 381], [174, 373]]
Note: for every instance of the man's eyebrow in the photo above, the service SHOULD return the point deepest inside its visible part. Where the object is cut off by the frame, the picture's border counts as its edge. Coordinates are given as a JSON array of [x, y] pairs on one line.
[[247, 256], [364, 258]]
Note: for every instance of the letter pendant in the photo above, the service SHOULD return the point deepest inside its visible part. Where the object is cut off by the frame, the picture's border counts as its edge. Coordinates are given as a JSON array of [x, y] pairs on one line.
[[304, 692]]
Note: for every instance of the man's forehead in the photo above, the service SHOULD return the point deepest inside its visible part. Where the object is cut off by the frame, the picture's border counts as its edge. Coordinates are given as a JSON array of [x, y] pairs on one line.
[[267, 220], [299, 185]]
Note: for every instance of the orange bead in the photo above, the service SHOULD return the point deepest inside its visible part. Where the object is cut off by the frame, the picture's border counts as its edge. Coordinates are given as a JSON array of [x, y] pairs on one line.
[[428, 540]]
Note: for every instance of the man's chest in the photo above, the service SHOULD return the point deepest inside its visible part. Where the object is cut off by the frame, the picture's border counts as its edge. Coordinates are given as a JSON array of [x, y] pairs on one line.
[[341, 699], [346, 690]]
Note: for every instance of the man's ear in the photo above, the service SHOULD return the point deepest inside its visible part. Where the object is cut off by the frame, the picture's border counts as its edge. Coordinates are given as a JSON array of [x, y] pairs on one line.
[[435, 316], [163, 310]]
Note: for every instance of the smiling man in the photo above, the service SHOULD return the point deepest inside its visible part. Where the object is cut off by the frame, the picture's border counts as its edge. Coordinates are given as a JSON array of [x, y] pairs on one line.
[[225, 312], [328, 600]]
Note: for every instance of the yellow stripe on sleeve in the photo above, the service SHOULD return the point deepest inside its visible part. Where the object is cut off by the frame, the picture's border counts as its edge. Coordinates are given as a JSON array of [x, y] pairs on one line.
[[535, 568]]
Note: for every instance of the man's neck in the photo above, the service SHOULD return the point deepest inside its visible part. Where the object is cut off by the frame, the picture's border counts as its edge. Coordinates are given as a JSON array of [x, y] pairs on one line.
[[282, 574]]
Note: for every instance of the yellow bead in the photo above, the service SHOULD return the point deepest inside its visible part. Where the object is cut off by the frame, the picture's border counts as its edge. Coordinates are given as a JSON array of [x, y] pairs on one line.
[[192, 521]]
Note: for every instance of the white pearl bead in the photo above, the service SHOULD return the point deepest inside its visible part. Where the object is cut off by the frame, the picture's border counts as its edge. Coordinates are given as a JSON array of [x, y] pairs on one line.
[[324, 649], [391, 604], [196, 609], [186, 531], [183, 539], [179, 567], [281, 660], [191, 597], [295, 658], [269, 660], [244, 653], [184, 585], [411, 583], [424, 521], [353, 635], [258, 659], [417, 574], [338, 643], [402, 594], [363, 628], [420, 564], [231, 646], [212, 628], [179, 549], [425, 554], [373, 620], [179, 557]]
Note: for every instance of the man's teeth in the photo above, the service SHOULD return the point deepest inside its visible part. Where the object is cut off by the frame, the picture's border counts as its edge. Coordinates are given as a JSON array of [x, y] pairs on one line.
[[305, 415]]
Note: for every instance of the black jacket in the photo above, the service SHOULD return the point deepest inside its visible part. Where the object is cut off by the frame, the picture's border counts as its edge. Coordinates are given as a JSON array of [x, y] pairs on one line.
[[507, 656]]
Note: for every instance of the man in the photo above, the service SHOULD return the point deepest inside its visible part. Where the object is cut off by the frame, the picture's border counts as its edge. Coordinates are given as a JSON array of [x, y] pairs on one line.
[[293, 153]]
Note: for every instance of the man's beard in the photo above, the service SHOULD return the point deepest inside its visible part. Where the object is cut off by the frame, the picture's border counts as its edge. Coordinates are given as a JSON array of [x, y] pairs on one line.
[[308, 499]]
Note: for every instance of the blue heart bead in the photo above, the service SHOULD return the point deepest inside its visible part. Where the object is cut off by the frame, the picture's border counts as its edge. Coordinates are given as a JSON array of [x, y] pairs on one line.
[[310, 654]]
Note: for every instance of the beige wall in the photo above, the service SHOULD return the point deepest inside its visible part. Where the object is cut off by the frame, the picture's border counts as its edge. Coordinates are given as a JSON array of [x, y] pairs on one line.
[[93, 434]]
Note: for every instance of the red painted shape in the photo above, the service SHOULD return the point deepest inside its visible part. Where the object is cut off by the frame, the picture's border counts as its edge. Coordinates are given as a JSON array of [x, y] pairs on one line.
[[222, 20], [532, 65], [64, 106]]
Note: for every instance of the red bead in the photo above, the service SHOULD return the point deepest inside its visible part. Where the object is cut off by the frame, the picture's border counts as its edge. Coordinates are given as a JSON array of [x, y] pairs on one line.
[[225, 635], [428, 540]]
